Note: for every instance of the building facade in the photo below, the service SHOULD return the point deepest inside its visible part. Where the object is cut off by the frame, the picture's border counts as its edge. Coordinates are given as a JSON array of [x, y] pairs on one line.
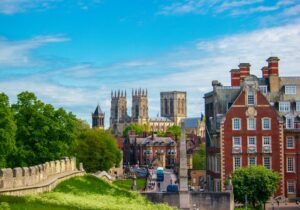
[[150, 150], [173, 109], [255, 121], [173, 105], [98, 118]]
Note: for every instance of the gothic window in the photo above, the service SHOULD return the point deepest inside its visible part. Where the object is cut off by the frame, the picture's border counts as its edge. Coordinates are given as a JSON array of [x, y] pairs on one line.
[[116, 112], [166, 106], [171, 106], [179, 108], [136, 111]]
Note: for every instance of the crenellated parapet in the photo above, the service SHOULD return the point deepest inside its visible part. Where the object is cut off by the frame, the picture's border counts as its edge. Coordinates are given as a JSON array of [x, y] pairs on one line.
[[26, 176]]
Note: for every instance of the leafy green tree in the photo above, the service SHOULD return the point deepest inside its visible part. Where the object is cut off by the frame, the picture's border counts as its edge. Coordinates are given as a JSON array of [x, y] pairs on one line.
[[199, 158], [98, 150], [138, 129], [257, 182], [43, 133], [7, 130], [174, 130]]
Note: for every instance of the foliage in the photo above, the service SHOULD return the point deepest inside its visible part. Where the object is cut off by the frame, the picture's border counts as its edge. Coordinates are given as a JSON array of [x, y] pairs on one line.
[[257, 182], [87, 192], [138, 129], [43, 133], [98, 150], [126, 183], [174, 130], [7, 130], [199, 158]]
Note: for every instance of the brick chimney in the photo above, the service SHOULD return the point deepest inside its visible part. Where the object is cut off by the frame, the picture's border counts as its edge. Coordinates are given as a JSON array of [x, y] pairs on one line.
[[244, 70], [273, 66], [235, 77], [265, 72], [273, 74]]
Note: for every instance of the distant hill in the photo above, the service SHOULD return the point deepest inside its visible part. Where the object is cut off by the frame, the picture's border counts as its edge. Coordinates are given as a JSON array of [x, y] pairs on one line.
[[86, 192]]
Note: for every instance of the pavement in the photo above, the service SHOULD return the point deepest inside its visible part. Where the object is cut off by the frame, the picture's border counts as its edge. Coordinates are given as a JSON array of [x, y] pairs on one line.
[[283, 206], [169, 177]]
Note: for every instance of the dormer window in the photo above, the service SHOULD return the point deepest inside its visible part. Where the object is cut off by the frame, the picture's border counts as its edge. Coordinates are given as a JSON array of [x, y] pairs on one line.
[[250, 97], [290, 89], [263, 89], [284, 106]]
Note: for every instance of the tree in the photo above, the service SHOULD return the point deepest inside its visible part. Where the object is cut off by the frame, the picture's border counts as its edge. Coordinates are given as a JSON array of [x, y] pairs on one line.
[[199, 158], [174, 130], [43, 133], [138, 129], [257, 182], [98, 150], [7, 130]]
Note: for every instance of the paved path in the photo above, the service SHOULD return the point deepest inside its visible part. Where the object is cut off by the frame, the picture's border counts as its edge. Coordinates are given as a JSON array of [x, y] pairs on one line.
[[169, 177], [282, 206]]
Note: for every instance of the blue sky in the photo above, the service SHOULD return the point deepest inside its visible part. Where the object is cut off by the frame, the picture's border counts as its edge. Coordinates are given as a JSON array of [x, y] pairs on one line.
[[72, 53]]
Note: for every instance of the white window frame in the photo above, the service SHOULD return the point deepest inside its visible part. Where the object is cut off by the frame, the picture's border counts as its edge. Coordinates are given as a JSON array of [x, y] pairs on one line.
[[291, 183], [254, 124], [263, 89], [289, 122], [233, 141], [263, 124], [251, 97], [297, 106], [263, 140], [254, 138], [290, 166], [270, 162], [284, 106], [249, 160], [290, 90], [234, 161], [239, 124], [292, 139]]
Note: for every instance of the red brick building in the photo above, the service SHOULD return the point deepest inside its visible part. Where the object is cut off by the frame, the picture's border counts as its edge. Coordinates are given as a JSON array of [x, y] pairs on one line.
[[251, 133], [254, 121]]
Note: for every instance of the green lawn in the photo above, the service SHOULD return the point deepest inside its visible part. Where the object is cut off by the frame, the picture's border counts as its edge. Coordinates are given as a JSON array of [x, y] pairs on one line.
[[87, 192], [126, 183]]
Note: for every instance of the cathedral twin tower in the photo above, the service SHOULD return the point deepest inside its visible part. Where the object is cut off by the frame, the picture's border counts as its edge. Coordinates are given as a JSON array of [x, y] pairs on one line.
[[172, 106], [119, 118]]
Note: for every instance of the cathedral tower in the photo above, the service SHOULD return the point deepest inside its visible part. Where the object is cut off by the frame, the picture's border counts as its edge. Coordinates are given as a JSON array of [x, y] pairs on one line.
[[118, 112], [173, 105], [98, 118], [139, 106]]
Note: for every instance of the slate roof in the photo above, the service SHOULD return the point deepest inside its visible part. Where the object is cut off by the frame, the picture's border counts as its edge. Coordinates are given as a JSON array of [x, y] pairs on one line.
[[98, 110], [192, 122]]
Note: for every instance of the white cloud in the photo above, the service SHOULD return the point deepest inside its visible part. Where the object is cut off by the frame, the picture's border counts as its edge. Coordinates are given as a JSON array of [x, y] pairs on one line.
[[17, 53], [80, 87], [229, 7]]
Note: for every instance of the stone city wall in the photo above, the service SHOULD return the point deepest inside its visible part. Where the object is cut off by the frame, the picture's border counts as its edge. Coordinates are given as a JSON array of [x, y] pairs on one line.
[[27, 176], [196, 200]]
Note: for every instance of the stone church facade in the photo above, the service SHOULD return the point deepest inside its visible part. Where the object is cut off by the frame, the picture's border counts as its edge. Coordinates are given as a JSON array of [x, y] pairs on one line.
[[173, 109]]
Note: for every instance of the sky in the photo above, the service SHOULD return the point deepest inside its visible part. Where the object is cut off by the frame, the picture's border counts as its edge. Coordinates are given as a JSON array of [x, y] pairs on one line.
[[73, 53]]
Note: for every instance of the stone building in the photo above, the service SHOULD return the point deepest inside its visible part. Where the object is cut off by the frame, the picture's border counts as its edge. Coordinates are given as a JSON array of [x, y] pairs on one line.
[[119, 118], [98, 118], [173, 109], [254, 121], [173, 105], [150, 150]]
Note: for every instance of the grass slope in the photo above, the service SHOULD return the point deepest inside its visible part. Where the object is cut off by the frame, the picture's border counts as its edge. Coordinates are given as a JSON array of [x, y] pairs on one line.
[[87, 192], [126, 183]]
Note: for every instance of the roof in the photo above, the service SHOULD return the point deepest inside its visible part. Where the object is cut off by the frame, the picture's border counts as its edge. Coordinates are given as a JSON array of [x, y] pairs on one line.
[[98, 110], [160, 119], [156, 141], [192, 122]]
